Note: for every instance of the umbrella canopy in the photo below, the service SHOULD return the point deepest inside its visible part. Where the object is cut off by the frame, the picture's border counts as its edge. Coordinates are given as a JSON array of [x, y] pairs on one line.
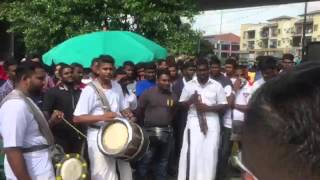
[[121, 45]]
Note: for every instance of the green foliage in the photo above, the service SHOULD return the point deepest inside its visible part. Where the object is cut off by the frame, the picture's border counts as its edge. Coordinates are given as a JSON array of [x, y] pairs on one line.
[[45, 23]]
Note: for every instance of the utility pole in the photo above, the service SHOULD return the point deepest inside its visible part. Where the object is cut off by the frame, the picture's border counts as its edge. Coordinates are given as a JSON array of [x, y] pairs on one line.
[[221, 15], [303, 43]]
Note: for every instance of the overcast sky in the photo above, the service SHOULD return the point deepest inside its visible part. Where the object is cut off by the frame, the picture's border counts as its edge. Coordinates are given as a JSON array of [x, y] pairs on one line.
[[209, 21]]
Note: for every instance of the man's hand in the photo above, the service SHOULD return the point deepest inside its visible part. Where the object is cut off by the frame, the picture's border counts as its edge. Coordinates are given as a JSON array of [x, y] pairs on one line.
[[127, 113], [202, 107], [237, 85], [193, 99], [109, 116], [56, 117]]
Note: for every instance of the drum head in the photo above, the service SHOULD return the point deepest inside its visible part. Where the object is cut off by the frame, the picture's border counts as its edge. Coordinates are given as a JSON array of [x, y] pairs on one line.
[[72, 167], [115, 137]]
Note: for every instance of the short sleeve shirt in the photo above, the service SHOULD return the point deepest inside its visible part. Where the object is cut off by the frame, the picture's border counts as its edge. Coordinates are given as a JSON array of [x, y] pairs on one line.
[[211, 93], [18, 128], [242, 98]]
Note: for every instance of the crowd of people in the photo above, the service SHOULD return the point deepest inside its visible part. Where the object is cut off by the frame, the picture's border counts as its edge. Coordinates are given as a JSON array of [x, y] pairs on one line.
[[193, 112]]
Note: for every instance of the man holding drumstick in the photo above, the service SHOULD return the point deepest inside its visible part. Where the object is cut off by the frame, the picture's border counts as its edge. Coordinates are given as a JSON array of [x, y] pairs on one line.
[[90, 111]]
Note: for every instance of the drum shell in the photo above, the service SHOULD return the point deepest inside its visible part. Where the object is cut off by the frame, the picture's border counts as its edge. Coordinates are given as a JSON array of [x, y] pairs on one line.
[[136, 145]]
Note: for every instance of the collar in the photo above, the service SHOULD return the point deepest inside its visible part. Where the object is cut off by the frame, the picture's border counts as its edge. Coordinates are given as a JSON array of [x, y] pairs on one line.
[[63, 87], [210, 81]]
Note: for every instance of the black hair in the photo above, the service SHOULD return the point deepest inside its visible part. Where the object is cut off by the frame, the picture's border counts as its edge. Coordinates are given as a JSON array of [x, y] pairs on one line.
[[105, 59], [214, 60], [161, 72], [233, 62], [172, 64], [26, 69], [8, 63], [63, 66], [160, 61], [286, 111], [188, 64], [94, 61], [288, 56], [76, 65], [140, 66], [119, 71], [149, 65], [128, 63], [267, 62], [202, 62]]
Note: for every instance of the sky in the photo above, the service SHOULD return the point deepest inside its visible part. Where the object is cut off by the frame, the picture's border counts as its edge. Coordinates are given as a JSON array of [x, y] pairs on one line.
[[209, 21]]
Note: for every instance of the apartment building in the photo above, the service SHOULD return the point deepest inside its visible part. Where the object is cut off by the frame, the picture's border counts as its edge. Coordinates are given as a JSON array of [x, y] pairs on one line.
[[278, 36], [225, 45]]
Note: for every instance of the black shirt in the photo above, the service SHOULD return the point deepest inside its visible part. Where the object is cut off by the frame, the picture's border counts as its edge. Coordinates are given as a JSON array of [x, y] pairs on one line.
[[156, 108], [63, 99]]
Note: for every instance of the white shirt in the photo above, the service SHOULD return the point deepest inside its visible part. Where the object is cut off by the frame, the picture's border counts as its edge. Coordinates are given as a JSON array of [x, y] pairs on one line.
[[89, 104], [131, 99], [242, 98], [227, 119], [257, 84], [211, 93], [18, 128]]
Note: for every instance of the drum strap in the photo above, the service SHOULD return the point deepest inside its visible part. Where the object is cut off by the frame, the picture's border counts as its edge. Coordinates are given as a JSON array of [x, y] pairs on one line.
[[101, 96]]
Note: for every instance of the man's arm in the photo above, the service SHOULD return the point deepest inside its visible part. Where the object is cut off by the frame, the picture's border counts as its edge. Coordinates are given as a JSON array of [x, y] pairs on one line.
[[108, 116], [242, 108], [17, 163]]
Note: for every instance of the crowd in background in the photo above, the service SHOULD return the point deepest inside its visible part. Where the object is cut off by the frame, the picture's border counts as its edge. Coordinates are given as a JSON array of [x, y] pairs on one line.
[[162, 94]]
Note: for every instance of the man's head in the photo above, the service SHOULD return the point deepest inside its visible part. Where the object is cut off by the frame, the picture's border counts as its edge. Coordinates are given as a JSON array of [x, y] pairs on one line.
[[78, 72], [163, 79], [281, 137], [268, 67], [162, 64], [30, 76], [150, 71], [173, 69], [56, 70], [188, 70], [120, 73], [202, 71], [240, 72], [94, 66], [140, 70], [65, 73], [10, 67], [35, 58], [128, 67], [287, 62], [215, 67], [105, 67], [230, 66]]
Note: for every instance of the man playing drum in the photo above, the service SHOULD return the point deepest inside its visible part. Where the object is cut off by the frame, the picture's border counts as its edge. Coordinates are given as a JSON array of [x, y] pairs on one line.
[[89, 110]]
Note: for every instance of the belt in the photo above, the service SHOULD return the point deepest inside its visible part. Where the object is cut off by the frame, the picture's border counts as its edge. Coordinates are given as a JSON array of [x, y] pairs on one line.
[[94, 126], [35, 148], [158, 130]]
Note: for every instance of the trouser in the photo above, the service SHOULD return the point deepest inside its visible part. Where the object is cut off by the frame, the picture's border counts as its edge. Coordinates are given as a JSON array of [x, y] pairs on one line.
[[224, 153], [157, 157]]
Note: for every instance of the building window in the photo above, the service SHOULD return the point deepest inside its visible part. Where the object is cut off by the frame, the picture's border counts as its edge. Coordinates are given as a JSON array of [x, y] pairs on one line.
[[279, 31], [279, 43], [225, 47], [235, 47], [315, 27], [224, 55]]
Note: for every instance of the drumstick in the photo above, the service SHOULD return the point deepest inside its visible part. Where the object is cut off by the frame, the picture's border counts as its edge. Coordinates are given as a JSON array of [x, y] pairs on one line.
[[74, 128]]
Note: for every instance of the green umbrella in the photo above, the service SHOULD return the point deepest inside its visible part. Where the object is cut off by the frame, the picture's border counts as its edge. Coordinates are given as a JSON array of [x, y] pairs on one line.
[[121, 45]]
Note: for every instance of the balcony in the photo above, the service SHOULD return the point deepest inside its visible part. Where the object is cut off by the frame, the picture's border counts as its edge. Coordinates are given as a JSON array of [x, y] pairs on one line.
[[273, 44], [251, 34]]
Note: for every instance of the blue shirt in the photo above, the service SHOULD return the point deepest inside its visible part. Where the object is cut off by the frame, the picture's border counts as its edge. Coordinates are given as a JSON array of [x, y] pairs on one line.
[[143, 85]]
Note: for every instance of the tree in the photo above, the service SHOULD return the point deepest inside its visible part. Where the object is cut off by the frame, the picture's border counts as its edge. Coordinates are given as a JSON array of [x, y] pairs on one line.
[[45, 23]]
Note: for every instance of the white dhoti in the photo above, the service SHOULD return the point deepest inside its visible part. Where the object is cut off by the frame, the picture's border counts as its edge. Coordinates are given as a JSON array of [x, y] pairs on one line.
[[202, 150], [103, 167]]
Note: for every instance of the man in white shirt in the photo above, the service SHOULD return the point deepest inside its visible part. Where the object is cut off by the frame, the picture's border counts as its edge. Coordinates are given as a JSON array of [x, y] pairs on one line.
[[205, 98], [89, 111], [268, 67], [26, 148]]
